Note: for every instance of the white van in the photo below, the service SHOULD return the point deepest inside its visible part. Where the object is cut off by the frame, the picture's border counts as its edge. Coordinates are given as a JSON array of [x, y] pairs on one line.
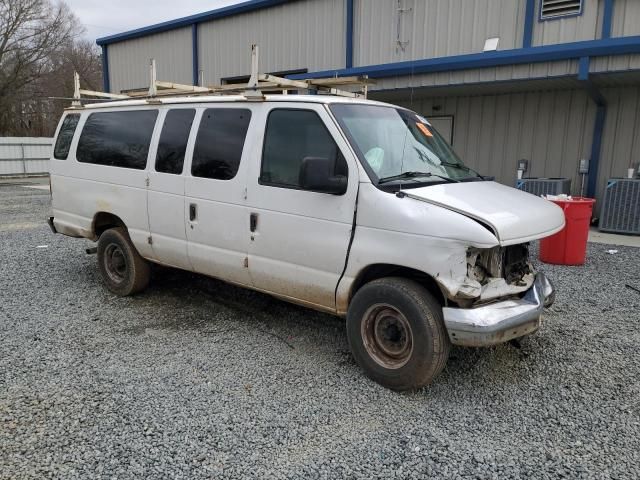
[[353, 207]]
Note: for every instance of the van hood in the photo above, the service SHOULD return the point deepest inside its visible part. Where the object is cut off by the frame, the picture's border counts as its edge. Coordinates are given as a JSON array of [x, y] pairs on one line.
[[513, 215]]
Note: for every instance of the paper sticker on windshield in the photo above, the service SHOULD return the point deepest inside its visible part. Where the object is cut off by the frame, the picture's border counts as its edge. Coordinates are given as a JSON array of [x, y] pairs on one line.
[[423, 128]]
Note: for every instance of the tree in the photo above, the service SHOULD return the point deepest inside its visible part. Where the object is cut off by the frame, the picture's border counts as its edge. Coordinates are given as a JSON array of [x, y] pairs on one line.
[[81, 56], [38, 53]]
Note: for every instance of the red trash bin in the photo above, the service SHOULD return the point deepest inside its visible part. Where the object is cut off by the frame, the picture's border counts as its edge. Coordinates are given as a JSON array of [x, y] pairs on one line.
[[569, 245]]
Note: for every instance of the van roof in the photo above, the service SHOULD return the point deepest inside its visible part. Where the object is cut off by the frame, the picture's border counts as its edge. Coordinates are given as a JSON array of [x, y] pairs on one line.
[[168, 100]]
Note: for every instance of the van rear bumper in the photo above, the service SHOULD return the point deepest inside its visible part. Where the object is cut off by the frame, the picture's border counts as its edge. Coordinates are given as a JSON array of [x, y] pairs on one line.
[[501, 321], [51, 225]]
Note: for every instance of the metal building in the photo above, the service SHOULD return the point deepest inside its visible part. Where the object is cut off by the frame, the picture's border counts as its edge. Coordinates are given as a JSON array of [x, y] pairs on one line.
[[550, 81]]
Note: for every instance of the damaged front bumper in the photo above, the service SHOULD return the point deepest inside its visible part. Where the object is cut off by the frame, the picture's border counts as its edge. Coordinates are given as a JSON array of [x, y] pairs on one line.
[[501, 321]]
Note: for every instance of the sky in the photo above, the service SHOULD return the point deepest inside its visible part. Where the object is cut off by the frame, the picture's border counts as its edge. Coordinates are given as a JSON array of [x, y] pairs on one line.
[[102, 18]]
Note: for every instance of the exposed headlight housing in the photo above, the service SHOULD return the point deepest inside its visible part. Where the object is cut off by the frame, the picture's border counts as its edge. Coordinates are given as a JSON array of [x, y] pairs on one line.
[[510, 263], [494, 273]]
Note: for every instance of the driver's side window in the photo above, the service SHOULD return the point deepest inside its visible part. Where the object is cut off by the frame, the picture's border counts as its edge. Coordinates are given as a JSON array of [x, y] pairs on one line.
[[292, 135]]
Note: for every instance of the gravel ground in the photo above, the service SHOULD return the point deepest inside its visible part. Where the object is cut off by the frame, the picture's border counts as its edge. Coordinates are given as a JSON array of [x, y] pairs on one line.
[[198, 379]]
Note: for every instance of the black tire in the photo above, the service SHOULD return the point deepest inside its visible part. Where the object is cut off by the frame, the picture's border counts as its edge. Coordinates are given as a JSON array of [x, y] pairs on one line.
[[123, 270], [396, 333]]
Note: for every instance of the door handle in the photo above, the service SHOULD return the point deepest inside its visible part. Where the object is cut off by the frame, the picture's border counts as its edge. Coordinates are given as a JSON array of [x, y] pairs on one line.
[[193, 212], [253, 222]]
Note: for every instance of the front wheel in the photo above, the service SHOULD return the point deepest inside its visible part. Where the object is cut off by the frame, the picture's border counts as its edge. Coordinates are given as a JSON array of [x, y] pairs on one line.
[[123, 270], [396, 333]]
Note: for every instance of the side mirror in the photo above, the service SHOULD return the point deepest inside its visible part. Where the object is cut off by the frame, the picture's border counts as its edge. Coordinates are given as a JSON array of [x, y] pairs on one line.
[[316, 173]]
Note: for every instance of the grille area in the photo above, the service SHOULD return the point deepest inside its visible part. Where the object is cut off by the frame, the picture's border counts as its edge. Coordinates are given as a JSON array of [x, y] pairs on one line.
[[510, 263]]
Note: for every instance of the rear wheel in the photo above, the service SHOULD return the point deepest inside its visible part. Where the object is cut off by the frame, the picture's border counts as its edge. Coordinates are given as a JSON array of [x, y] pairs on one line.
[[123, 270], [396, 333]]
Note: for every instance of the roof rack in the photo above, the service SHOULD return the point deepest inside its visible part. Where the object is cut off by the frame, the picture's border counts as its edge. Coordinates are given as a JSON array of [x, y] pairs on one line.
[[252, 90], [78, 92]]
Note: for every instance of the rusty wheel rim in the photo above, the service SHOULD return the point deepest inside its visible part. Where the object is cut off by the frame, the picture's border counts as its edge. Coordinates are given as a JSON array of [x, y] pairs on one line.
[[115, 263], [387, 336]]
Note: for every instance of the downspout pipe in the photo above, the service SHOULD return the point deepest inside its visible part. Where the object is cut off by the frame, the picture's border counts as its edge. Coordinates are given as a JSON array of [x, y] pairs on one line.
[[607, 19], [598, 127], [195, 61], [529, 18], [106, 84], [349, 36], [599, 100]]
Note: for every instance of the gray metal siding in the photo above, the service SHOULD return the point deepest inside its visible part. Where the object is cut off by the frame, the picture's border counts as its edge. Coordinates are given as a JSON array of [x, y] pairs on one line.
[[621, 139], [626, 18], [553, 130], [479, 75], [129, 60], [586, 26], [304, 34], [615, 63], [433, 28]]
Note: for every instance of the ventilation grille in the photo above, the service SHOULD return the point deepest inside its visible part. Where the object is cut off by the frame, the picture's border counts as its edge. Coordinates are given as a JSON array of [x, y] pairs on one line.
[[560, 8], [545, 186], [620, 212]]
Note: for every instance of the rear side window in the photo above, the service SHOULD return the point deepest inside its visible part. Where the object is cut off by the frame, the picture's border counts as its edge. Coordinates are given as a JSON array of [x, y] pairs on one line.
[[63, 143], [220, 142], [290, 137], [173, 141], [117, 139]]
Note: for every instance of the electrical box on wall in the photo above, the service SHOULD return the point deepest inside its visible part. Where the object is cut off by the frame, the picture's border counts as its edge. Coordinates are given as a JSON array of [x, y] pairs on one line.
[[523, 165], [584, 166]]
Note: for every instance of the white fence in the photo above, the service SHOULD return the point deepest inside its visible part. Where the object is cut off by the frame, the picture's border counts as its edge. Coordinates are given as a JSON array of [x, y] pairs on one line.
[[24, 155]]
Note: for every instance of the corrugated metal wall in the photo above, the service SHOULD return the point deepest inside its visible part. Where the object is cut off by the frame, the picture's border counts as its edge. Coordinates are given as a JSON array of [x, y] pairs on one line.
[[478, 75], [432, 28], [129, 60], [24, 155], [311, 34], [615, 63], [586, 26], [553, 130], [304, 34], [626, 18], [621, 140]]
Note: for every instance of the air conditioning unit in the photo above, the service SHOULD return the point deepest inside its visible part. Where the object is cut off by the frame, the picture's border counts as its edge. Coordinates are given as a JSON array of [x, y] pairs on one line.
[[620, 212], [545, 186]]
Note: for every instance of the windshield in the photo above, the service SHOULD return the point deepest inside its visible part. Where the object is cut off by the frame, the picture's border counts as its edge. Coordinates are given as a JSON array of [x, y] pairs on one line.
[[399, 146]]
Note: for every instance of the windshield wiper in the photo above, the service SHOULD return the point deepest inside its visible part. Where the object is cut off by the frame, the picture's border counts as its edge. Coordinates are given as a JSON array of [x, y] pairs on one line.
[[404, 175], [460, 166]]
